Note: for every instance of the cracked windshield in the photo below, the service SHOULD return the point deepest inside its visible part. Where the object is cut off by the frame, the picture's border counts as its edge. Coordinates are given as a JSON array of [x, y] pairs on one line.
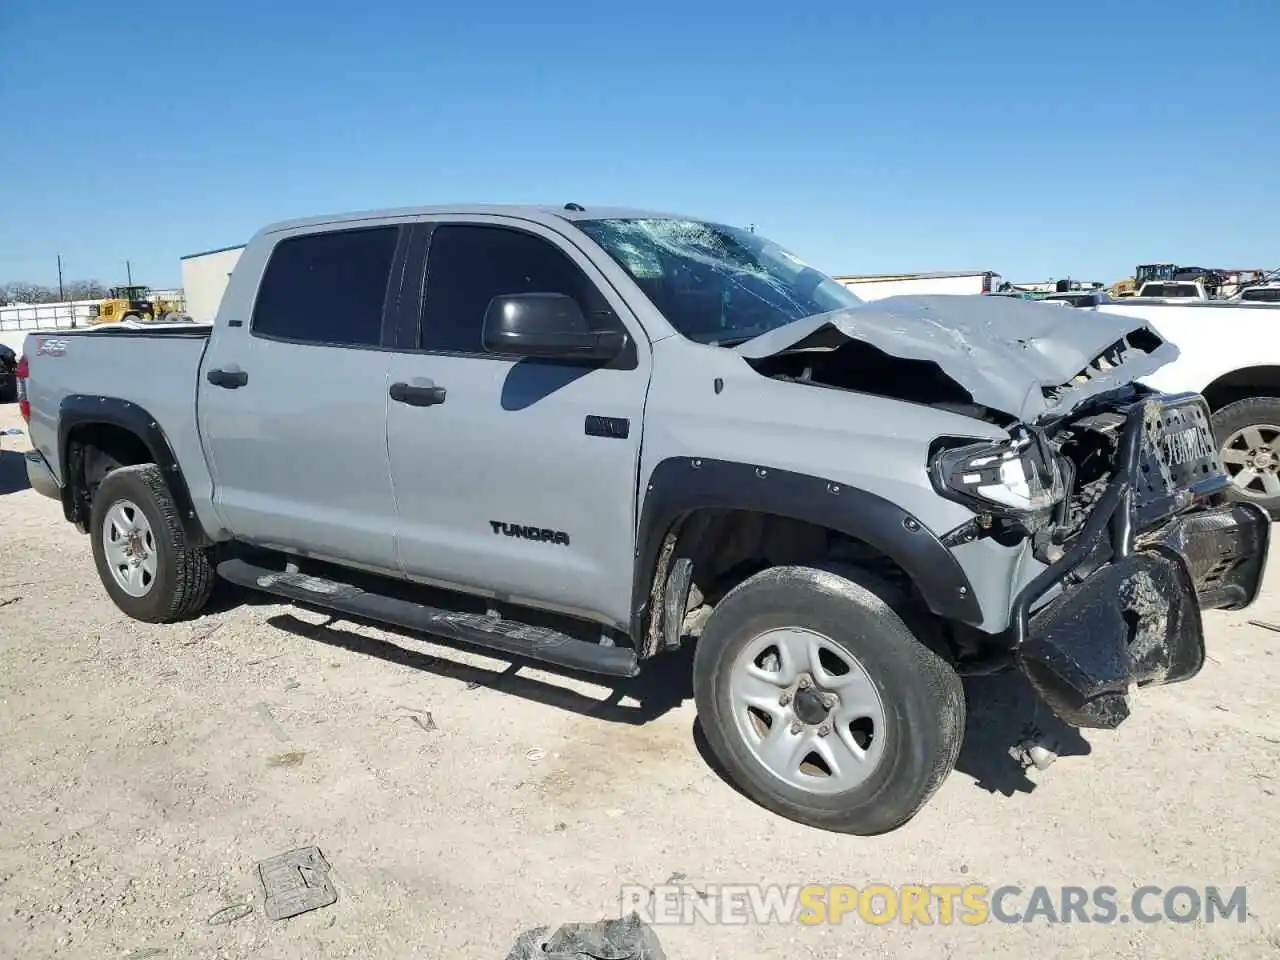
[[717, 284]]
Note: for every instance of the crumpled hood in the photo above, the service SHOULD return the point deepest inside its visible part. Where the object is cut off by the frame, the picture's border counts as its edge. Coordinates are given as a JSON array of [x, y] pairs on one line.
[[1026, 359]]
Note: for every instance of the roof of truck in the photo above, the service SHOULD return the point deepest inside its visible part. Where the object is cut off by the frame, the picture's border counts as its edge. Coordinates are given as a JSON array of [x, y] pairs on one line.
[[539, 213]]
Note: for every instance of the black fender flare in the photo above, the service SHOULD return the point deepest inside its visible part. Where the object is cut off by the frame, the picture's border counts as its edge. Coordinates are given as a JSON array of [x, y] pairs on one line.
[[681, 485], [78, 410]]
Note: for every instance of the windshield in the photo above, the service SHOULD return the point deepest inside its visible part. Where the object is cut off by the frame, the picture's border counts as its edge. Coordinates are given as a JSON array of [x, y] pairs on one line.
[[716, 284]]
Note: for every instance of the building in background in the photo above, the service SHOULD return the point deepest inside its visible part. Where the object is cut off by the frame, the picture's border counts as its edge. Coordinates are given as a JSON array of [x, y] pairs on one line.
[[879, 286], [204, 278]]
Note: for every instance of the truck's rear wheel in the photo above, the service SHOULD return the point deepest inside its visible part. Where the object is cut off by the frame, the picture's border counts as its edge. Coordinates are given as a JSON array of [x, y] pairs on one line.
[[821, 703], [1248, 433], [141, 550]]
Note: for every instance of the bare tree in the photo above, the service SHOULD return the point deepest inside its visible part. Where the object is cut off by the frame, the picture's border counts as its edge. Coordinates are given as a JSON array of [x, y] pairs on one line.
[[85, 290], [22, 292]]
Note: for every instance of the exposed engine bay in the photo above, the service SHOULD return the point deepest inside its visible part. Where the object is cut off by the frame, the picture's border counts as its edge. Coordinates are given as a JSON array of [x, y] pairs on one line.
[[1046, 481], [863, 368], [1000, 359]]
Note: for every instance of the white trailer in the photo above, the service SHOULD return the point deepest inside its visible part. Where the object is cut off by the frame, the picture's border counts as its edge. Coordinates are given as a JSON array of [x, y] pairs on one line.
[[204, 277], [879, 286]]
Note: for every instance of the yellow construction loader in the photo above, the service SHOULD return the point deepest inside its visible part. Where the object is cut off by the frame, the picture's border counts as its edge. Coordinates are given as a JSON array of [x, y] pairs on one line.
[[132, 303], [1123, 288]]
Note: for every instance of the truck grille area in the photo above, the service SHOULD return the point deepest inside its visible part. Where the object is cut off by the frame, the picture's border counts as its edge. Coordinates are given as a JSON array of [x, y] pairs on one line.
[[1177, 458]]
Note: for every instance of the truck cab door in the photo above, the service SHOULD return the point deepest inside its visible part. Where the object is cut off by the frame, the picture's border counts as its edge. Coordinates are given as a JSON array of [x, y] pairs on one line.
[[293, 395], [514, 478]]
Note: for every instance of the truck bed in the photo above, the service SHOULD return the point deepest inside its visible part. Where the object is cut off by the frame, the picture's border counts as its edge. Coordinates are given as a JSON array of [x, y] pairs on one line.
[[156, 366]]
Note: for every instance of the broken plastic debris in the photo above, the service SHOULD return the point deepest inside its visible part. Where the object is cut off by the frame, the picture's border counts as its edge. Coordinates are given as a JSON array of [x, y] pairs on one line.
[[295, 882], [536, 754], [422, 718], [230, 914], [627, 939], [11, 432], [1035, 751]]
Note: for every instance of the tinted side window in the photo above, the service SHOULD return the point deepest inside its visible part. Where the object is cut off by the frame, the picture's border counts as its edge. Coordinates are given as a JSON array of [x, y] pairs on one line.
[[470, 265], [327, 287]]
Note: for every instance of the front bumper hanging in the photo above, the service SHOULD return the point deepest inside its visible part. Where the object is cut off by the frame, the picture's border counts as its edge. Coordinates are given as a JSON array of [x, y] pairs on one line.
[[1160, 547]]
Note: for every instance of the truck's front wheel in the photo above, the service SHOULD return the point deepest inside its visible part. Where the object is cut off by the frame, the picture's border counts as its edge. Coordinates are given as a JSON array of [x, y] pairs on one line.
[[821, 703], [141, 550]]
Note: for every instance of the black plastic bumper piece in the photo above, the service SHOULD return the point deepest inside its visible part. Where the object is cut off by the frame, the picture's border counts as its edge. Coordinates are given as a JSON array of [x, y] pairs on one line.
[[1137, 619], [509, 637]]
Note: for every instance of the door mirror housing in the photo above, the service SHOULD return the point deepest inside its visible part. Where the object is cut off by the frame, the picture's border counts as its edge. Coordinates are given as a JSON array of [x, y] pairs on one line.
[[549, 325]]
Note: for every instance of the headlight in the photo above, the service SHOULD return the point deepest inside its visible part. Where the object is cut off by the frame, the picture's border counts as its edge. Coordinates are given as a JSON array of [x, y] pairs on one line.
[[1013, 476]]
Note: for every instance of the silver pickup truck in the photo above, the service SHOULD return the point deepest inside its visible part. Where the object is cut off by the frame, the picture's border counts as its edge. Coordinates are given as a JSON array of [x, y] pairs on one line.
[[588, 437]]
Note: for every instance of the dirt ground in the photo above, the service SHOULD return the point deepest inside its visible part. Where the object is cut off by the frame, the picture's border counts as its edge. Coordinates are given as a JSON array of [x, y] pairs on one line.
[[144, 770]]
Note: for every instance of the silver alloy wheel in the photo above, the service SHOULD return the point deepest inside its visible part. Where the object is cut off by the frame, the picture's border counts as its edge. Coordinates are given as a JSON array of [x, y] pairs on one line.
[[1252, 458], [808, 710], [130, 548]]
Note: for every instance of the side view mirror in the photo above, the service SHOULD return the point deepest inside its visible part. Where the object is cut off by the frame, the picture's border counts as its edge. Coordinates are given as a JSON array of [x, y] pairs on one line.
[[546, 325]]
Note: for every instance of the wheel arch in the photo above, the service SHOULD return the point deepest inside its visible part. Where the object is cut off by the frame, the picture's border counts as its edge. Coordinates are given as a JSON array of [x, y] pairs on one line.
[[130, 435], [1261, 380], [685, 494]]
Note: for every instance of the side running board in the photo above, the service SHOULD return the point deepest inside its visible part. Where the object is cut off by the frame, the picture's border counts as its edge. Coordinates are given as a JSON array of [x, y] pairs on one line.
[[506, 636]]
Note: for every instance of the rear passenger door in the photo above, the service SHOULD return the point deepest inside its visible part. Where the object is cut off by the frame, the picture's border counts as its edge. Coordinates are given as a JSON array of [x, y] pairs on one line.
[[293, 399], [507, 482]]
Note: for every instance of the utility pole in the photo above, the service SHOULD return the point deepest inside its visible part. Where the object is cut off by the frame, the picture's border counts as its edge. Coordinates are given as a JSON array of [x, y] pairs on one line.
[[62, 296], [128, 270]]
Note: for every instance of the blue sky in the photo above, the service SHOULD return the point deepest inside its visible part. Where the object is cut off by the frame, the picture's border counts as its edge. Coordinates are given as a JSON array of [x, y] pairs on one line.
[[1034, 139]]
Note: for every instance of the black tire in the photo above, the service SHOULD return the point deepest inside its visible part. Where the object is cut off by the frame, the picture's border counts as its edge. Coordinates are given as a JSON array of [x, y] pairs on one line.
[[921, 693], [185, 576], [1234, 417]]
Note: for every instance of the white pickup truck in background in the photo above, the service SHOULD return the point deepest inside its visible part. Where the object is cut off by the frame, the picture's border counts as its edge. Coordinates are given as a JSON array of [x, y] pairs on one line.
[[1173, 291], [1230, 353], [1264, 293]]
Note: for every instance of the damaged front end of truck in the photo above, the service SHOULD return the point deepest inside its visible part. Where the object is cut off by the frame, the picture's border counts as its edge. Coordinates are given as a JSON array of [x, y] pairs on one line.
[[1115, 491], [1144, 542]]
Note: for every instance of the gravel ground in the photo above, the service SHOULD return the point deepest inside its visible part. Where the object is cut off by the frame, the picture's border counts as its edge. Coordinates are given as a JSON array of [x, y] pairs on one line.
[[146, 769]]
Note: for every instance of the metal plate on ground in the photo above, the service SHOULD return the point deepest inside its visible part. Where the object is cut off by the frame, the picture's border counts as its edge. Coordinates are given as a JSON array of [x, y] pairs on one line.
[[295, 882]]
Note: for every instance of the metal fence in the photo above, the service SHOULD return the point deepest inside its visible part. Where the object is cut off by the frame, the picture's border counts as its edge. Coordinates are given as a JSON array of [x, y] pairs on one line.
[[64, 316], [47, 316]]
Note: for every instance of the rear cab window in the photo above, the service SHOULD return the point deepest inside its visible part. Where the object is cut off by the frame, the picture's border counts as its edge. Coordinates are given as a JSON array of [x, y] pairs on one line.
[[1171, 290], [327, 288]]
